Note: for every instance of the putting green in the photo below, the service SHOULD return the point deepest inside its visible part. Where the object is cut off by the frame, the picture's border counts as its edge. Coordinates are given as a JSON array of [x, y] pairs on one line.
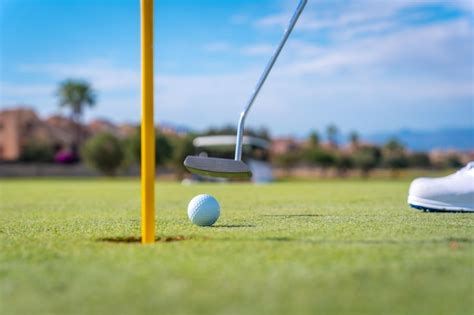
[[328, 247]]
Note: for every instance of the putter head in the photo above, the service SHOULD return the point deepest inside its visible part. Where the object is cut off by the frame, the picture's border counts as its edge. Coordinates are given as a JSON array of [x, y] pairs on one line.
[[216, 167]]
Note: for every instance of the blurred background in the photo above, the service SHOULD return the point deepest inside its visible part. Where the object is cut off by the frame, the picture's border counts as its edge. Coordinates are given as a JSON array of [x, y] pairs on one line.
[[364, 88]]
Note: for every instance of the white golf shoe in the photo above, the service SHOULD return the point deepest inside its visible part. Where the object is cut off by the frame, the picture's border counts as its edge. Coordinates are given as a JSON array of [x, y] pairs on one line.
[[453, 193]]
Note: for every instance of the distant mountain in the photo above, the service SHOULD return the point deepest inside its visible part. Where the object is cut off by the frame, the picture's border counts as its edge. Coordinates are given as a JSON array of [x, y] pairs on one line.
[[448, 138], [418, 140]]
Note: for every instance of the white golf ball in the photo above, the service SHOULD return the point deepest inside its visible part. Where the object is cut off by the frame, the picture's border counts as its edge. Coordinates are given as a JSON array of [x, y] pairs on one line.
[[203, 210]]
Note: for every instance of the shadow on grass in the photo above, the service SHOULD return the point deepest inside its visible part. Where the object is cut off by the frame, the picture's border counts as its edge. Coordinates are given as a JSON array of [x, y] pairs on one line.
[[453, 242], [233, 226], [292, 215], [134, 239], [371, 242]]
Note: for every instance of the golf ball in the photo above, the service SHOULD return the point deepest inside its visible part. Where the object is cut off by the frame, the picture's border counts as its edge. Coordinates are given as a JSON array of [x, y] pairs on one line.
[[203, 210]]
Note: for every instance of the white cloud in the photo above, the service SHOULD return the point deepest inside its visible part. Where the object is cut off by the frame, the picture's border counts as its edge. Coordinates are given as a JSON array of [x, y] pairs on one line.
[[257, 50], [118, 87], [11, 90], [218, 47], [239, 19], [377, 82], [297, 103], [441, 48], [355, 17], [101, 74], [389, 78]]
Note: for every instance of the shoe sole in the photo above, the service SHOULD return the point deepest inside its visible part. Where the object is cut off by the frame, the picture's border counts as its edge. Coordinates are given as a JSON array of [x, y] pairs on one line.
[[435, 206]]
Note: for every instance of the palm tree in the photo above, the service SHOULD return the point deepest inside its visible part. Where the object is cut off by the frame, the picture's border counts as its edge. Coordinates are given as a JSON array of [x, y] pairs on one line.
[[76, 95], [313, 139], [332, 132], [354, 139], [394, 146]]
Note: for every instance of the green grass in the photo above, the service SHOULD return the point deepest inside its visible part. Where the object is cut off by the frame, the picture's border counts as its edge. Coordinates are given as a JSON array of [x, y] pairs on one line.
[[327, 247]]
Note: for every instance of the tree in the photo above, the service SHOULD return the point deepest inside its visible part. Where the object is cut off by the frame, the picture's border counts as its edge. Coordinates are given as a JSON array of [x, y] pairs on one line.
[[419, 159], [313, 139], [319, 157], [131, 145], [393, 145], [163, 148], [37, 152], [343, 163], [332, 133], [287, 160], [225, 130], [76, 95], [395, 161], [366, 158], [452, 161], [262, 132], [104, 153], [182, 147], [394, 156], [354, 139]]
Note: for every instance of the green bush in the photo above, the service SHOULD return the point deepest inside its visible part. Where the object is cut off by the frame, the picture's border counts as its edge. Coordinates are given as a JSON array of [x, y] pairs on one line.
[[163, 148], [319, 157], [37, 152], [393, 145], [395, 160], [131, 148], [182, 147], [344, 162], [103, 153], [419, 159], [452, 161], [367, 158], [287, 160]]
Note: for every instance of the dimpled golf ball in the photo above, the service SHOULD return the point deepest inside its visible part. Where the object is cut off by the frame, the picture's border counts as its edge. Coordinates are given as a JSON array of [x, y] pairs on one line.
[[204, 210]]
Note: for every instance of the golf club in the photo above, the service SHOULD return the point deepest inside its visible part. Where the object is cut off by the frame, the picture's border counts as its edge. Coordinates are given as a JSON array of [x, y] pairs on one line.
[[236, 168]]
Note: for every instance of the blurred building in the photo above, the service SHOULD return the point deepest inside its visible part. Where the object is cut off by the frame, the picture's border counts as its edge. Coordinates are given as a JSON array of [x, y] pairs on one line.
[[439, 157], [173, 130], [21, 126], [284, 145], [97, 126]]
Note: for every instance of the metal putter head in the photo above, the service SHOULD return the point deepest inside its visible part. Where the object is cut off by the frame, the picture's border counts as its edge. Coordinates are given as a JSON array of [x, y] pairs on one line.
[[215, 167]]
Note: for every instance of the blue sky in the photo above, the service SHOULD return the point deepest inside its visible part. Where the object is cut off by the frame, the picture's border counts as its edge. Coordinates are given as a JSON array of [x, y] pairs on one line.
[[365, 65]]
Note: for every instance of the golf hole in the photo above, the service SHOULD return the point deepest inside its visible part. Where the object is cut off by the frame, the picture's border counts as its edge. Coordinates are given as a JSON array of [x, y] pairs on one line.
[[135, 239]]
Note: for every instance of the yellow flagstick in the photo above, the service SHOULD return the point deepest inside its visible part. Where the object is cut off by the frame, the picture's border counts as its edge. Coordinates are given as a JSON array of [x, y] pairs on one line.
[[147, 127]]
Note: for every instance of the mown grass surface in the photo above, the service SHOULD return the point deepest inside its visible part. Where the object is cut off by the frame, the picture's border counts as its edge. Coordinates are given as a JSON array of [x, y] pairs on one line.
[[327, 247]]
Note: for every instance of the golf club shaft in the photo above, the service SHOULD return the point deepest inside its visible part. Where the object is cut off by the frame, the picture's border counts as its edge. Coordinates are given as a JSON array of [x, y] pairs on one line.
[[263, 77]]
